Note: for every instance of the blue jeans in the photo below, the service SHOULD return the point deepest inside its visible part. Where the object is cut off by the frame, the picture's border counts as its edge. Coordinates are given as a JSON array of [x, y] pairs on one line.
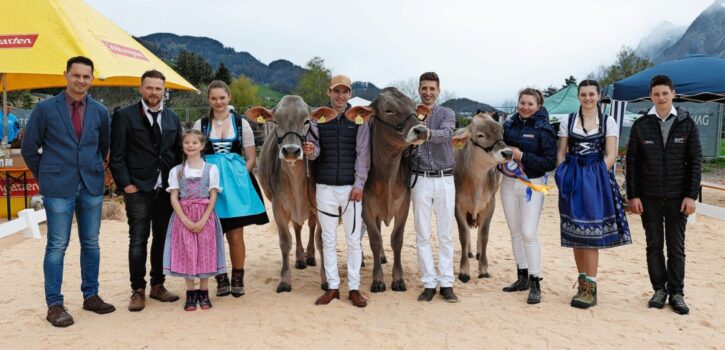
[[59, 213]]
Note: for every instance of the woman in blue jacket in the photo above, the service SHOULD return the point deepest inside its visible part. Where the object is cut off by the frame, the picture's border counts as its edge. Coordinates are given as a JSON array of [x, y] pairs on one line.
[[533, 142]]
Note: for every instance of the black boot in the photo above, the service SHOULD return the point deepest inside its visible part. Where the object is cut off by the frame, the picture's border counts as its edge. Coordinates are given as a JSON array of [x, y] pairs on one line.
[[237, 283], [534, 290], [222, 285], [522, 282]]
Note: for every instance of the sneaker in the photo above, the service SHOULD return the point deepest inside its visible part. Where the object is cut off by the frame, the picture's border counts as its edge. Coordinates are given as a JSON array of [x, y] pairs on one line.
[[203, 298], [588, 297], [427, 294], [222, 285], [658, 299], [191, 300], [58, 316], [677, 301], [97, 305], [448, 295]]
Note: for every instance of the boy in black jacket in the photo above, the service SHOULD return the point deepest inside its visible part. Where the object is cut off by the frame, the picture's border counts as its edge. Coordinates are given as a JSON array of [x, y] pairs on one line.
[[663, 179]]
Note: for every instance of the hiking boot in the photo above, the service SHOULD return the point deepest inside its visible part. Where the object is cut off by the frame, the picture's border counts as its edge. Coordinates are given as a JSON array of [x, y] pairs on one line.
[[191, 300], [97, 305], [58, 316], [326, 298], [160, 293], [522, 281], [588, 297], [237, 283], [357, 299], [427, 294], [658, 299], [448, 295], [580, 281], [677, 301], [138, 300], [222, 285], [203, 298], [534, 290]]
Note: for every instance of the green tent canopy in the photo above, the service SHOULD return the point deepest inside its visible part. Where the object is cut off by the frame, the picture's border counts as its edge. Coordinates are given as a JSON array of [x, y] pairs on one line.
[[562, 103]]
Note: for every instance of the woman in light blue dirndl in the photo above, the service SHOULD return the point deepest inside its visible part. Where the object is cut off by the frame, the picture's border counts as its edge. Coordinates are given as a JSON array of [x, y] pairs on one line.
[[590, 205], [231, 148]]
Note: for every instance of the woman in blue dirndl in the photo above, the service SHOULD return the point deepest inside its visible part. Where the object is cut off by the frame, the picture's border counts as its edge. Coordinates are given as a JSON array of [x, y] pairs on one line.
[[590, 205], [231, 148]]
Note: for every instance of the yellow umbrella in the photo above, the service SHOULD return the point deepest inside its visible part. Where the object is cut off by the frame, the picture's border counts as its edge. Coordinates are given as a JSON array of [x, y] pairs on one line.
[[37, 37]]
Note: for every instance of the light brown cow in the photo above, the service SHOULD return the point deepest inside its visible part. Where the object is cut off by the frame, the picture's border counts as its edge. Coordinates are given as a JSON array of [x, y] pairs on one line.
[[286, 179], [394, 127], [478, 148]]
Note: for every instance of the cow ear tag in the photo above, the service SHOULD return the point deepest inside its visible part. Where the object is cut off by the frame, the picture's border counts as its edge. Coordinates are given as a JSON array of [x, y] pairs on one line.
[[421, 117], [358, 120], [321, 119], [260, 119], [459, 145]]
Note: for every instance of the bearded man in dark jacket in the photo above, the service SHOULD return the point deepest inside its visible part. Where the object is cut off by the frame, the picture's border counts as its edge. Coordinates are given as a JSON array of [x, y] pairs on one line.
[[664, 160]]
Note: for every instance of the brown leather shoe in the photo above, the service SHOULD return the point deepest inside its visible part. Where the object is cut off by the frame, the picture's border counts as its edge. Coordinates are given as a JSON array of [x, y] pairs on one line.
[[328, 296], [138, 300], [160, 293], [58, 316], [357, 298], [97, 305]]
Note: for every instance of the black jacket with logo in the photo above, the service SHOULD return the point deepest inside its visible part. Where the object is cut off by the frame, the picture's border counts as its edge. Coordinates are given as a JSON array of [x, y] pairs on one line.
[[664, 169]]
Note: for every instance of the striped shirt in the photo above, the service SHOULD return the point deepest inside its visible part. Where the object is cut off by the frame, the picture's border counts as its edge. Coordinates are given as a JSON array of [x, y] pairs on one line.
[[437, 153]]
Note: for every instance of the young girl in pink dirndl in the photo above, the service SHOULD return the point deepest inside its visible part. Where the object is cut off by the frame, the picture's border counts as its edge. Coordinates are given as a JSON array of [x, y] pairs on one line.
[[194, 243]]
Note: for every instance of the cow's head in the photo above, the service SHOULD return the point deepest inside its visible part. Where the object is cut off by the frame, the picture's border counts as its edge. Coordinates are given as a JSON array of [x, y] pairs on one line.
[[396, 112], [291, 117], [485, 135]]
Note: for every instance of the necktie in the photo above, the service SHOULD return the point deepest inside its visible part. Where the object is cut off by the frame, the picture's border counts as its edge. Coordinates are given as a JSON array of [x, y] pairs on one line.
[[155, 126], [76, 118]]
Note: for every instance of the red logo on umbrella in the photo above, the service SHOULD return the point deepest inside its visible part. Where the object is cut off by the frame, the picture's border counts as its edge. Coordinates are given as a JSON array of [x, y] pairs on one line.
[[17, 41], [125, 51]]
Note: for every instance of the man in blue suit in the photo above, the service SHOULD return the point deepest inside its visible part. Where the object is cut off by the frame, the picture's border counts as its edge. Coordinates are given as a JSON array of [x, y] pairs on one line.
[[66, 140]]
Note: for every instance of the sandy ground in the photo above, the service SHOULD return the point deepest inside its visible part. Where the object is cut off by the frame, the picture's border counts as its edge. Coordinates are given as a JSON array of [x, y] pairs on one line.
[[485, 318]]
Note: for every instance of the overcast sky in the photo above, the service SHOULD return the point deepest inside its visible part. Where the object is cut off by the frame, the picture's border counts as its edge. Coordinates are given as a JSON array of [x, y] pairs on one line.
[[483, 50]]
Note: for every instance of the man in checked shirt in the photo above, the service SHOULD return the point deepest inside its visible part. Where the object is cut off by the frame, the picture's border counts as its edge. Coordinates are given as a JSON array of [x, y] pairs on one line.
[[435, 191]]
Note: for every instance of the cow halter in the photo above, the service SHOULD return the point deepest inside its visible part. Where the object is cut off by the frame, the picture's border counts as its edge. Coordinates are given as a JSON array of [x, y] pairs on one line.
[[401, 126], [302, 137], [489, 148]]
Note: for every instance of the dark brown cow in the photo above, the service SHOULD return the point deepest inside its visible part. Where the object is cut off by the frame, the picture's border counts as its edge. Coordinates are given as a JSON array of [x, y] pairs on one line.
[[285, 178], [479, 147], [393, 129]]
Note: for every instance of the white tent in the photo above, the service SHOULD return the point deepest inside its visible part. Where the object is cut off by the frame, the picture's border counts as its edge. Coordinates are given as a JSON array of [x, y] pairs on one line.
[[358, 101]]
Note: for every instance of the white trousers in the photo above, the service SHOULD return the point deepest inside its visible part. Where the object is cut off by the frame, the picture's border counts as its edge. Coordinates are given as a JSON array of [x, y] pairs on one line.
[[522, 218], [329, 199], [434, 194]]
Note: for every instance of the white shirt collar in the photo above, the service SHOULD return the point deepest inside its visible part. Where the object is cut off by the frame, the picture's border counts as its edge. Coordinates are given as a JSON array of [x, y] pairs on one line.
[[146, 108], [673, 111]]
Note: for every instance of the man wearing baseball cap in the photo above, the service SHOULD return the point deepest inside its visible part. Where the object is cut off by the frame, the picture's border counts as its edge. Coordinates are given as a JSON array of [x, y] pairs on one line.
[[343, 161]]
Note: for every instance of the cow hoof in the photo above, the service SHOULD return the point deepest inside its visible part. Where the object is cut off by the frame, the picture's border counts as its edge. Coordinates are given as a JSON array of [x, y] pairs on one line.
[[284, 287], [377, 287], [362, 264], [478, 256], [464, 277], [311, 261], [484, 275], [324, 286], [383, 260], [300, 265], [470, 255], [398, 286]]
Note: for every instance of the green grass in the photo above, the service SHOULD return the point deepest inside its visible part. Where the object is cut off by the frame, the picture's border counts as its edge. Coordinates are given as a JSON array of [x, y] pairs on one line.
[[722, 148], [267, 92], [714, 164]]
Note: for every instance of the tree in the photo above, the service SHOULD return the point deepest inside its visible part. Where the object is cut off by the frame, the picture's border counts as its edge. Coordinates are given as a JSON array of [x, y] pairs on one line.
[[222, 73], [409, 87], [509, 106], [569, 80], [244, 93], [312, 86], [20, 99], [446, 95], [628, 63], [550, 91], [193, 68]]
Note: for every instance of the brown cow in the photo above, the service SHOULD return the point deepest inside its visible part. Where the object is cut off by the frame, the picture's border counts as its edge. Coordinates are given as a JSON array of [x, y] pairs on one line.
[[395, 126], [479, 147], [285, 178]]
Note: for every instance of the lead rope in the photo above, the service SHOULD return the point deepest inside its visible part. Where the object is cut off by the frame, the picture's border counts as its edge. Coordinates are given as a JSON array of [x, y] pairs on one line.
[[354, 220]]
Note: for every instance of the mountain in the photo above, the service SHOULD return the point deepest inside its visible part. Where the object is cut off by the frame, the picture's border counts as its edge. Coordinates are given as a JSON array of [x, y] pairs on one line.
[[280, 75], [662, 37], [467, 107], [365, 90], [706, 35]]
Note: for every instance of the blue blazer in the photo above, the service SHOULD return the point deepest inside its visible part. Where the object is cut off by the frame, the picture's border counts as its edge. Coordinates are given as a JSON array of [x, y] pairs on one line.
[[65, 161]]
